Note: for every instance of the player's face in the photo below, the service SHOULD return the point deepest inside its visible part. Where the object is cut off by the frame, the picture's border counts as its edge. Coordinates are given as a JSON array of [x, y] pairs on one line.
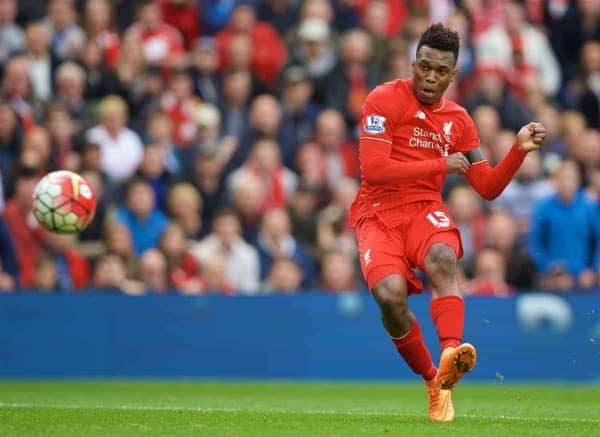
[[433, 70]]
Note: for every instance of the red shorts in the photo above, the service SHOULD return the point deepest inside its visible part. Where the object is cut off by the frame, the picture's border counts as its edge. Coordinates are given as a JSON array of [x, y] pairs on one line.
[[396, 241]]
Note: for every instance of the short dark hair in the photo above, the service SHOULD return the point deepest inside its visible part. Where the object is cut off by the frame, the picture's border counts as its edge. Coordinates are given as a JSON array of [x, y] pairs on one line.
[[437, 36]]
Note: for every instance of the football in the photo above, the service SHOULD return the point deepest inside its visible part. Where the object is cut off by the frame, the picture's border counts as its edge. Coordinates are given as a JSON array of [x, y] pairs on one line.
[[63, 202]]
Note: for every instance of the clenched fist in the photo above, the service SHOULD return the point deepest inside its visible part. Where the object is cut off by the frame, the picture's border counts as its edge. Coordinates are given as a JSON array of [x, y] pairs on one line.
[[530, 136], [457, 163]]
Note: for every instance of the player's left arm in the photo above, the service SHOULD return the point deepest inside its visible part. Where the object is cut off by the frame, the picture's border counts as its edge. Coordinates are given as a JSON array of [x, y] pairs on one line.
[[490, 181]]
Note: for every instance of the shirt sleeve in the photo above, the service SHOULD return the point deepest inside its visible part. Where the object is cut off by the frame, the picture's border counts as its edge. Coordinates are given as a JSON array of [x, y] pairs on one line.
[[378, 119]]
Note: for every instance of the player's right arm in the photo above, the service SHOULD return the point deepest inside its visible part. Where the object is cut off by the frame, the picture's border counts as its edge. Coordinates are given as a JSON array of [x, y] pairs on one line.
[[378, 122]]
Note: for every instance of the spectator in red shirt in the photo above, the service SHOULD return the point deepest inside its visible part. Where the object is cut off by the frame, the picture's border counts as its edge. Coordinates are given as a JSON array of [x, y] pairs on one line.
[[161, 43], [268, 51], [340, 154], [183, 15], [24, 228], [99, 27], [180, 103], [183, 269]]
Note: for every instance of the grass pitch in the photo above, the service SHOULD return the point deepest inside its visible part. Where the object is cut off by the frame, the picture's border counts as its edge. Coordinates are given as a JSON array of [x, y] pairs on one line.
[[172, 408]]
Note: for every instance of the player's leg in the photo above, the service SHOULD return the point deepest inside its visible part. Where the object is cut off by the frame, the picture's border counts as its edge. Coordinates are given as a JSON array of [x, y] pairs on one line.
[[448, 309], [391, 294]]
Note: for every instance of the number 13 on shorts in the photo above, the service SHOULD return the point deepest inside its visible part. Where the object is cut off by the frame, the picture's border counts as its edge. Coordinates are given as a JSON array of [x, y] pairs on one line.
[[439, 219]]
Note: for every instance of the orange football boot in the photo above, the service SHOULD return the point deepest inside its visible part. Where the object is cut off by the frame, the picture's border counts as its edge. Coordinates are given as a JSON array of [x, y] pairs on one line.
[[440, 402], [454, 364]]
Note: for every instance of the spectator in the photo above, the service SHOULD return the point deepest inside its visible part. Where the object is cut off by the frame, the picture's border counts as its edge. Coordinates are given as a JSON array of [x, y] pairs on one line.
[[522, 49], [240, 258], [67, 38], [207, 178], [204, 69], [296, 93], [278, 181], [237, 90], [162, 44], [275, 241], [62, 130], [492, 90], [100, 80], [46, 275], [100, 30], [121, 148], [119, 241], [72, 268], [337, 272], [109, 275], [354, 75], [70, 89], [502, 235], [214, 272], [12, 39], [563, 230], [152, 271], [340, 154], [24, 229], [333, 230], [180, 103], [589, 98], [248, 193], [266, 120], [302, 210], [525, 190], [285, 276], [268, 51], [159, 130], [184, 16], [466, 212], [210, 140], [185, 208], [490, 274], [152, 169], [141, 215], [183, 269], [16, 90], [9, 264], [10, 140], [314, 49]]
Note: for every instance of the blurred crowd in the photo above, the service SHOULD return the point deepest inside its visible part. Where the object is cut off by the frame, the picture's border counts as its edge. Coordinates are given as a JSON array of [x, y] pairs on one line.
[[220, 139]]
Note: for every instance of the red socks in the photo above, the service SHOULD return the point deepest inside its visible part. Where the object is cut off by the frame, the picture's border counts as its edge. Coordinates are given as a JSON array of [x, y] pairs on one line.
[[415, 353], [448, 314]]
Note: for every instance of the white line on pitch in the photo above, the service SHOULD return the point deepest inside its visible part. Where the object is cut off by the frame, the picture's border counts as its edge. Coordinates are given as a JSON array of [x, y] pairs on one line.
[[273, 410]]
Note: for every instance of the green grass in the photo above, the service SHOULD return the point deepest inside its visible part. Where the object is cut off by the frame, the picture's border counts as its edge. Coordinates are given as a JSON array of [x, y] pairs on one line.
[[171, 408]]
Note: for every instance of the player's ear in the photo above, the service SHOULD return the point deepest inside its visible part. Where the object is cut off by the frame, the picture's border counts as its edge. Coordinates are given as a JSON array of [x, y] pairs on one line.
[[413, 65], [454, 73]]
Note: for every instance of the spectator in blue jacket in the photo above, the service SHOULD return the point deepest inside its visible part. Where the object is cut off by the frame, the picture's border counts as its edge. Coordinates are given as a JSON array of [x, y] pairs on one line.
[[564, 231], [141, 216]]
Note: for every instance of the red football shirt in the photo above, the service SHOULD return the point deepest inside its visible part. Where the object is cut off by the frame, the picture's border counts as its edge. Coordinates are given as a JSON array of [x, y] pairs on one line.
[[392, 115]]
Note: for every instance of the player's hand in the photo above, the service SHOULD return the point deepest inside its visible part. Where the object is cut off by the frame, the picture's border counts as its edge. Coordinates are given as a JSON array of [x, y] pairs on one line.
[[457, 163], [530, 136]]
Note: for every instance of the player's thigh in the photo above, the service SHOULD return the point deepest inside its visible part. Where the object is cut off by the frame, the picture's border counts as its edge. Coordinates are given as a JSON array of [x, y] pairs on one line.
[[430, 223], [382, 254]]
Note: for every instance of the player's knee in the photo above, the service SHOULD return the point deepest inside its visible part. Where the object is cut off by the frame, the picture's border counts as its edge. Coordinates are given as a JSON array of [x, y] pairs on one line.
[[391, 293], [440, 259]]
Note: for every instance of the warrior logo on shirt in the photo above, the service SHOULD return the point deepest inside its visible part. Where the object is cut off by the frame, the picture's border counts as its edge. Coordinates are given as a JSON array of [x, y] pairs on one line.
[[375, 124]]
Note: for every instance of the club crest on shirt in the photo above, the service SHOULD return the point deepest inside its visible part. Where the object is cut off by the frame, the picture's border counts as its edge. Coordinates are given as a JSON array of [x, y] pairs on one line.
[[375, 124], [448, 130]]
